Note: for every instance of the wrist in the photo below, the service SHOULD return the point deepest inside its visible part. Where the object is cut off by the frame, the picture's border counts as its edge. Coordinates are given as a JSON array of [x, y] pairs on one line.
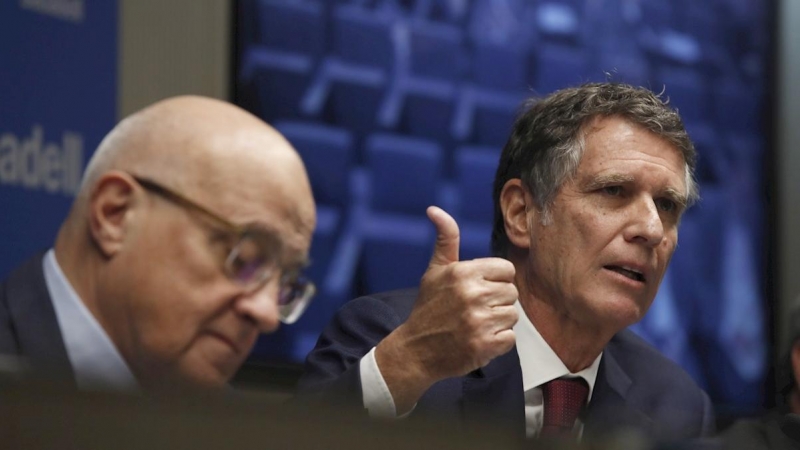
[[405, 374]]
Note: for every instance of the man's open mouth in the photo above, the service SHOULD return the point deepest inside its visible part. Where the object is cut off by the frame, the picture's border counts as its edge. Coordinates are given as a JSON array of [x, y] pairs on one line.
[[633, 274]]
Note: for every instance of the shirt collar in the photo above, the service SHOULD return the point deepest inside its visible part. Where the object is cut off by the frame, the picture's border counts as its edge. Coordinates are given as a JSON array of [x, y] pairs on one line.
[[95, 360], [539, 362]]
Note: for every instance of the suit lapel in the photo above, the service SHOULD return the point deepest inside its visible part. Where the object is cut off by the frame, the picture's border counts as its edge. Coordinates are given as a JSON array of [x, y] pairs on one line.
[[610, 408], [494, 394], [34, 319]]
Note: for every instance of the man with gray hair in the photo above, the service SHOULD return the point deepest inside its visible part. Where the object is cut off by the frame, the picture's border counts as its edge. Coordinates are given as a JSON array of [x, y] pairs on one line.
[[186, 240], [588, 196]]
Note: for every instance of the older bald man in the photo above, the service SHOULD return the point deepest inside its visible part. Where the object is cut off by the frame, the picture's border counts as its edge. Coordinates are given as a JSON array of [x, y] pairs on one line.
[[186, 240]]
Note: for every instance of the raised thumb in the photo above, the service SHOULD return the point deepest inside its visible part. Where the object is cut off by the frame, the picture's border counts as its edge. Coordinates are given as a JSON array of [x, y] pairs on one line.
[[448, 237]]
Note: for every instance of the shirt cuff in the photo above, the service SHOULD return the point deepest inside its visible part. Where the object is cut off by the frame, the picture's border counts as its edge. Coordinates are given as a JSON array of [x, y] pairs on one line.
[[376, 395]]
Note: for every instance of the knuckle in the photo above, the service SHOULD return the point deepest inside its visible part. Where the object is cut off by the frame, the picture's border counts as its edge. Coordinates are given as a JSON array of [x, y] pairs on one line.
[[514, 316], [504, 266], [513, 292], [481, 292], [507, 265], [474, 292]]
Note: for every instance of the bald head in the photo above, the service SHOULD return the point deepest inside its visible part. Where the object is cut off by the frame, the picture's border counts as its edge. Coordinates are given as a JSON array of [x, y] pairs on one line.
[[201, 146], [154, 239], [184, 139]]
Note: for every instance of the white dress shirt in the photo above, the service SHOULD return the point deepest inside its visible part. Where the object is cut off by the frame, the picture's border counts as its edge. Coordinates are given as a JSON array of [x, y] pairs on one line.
[[538, 362], [95, 360]]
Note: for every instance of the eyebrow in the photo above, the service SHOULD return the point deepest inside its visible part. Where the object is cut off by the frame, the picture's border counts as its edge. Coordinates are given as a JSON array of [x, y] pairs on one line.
[[602, 181]]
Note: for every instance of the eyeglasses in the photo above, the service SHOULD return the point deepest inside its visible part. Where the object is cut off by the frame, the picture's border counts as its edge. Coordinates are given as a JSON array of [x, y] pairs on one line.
[[253, 260]]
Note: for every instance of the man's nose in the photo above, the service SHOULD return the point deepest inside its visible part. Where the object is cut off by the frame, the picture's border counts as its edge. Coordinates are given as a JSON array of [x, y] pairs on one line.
[[261, 306], [646, 226]]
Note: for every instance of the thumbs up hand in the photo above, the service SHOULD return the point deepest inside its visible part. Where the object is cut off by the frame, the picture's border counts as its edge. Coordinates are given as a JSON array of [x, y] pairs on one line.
[[461, 320]]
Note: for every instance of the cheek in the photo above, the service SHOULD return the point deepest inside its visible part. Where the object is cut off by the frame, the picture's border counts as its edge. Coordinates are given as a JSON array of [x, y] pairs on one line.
[[191, 257], [183, 288], [590, 232], [172, 326], [552, 256]]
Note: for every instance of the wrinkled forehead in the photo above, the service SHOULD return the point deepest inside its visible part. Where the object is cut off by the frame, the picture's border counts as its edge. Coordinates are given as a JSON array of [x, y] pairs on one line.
[[610, 145], [670, 150]]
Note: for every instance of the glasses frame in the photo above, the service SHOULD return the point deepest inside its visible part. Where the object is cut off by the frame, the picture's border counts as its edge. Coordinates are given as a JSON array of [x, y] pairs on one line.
[[288, 310]]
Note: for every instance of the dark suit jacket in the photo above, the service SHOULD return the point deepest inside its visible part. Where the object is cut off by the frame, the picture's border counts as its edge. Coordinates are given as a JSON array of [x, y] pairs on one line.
[[636, 386], [28, 325]]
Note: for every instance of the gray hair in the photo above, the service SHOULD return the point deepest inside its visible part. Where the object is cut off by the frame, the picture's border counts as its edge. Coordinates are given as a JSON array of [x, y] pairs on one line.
[[547, 141]]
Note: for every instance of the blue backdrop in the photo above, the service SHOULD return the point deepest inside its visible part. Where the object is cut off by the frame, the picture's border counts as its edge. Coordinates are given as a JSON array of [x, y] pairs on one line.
[[58, 91]]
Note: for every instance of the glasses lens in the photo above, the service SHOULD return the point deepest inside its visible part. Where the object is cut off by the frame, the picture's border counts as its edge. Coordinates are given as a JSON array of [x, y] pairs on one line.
[[248, 261], [290, 289], [294, 296]]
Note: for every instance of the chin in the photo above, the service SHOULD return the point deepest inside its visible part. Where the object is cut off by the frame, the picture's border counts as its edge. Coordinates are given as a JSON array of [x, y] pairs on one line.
[[620, 313]]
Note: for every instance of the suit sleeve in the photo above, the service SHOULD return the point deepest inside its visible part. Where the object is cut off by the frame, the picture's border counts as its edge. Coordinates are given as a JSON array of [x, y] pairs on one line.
[[331, 372]]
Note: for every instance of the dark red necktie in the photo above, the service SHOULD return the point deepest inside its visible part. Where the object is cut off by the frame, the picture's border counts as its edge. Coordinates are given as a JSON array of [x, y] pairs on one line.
[[564, 398]]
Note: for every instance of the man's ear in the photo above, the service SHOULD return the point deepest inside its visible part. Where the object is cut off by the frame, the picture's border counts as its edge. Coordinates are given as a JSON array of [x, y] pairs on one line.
[[111, 210], [515, 203]]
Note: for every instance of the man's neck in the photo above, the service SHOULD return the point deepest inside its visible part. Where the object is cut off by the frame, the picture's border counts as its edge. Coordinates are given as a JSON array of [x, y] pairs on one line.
[[577, 346], [75, 273]]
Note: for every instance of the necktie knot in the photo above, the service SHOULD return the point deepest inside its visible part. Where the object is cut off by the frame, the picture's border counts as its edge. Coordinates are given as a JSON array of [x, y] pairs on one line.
[[564, 398]]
